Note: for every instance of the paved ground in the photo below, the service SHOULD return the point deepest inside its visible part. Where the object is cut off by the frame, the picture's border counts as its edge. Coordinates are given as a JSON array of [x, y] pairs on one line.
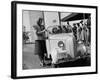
[[31, 60]]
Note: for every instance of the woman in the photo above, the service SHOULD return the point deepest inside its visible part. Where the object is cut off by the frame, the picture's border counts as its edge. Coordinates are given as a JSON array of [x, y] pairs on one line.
[[40, 42]]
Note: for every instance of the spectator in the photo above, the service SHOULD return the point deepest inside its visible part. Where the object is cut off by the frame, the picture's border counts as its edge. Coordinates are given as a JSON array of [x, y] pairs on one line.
[[89, 28], [69, 27], [79, 29], [75, 31]]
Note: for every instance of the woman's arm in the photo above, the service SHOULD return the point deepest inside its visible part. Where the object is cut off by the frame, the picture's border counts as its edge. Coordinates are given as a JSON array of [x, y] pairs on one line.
[[40, 32]]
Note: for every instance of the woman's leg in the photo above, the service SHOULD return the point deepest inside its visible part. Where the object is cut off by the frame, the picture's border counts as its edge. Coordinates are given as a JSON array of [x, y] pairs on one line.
[[44, 51], [38, 50]]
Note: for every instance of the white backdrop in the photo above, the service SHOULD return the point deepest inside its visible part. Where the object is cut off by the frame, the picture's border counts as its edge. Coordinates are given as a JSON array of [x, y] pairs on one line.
[[5, 40]]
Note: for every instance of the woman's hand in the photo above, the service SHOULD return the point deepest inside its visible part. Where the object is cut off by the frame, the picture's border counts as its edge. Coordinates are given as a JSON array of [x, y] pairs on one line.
[[40, 32]]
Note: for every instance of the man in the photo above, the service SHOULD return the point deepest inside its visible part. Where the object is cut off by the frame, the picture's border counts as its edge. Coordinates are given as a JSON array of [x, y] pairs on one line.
[[69, 27], [89, 28], [79, 30], [75, 30], [81, 24]]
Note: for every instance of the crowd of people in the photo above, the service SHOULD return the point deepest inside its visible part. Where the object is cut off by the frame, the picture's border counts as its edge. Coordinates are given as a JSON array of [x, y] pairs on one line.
[[82, 32]]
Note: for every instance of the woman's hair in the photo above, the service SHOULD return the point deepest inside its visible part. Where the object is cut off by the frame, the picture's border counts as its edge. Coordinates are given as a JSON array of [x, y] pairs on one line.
[[39, 22]]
